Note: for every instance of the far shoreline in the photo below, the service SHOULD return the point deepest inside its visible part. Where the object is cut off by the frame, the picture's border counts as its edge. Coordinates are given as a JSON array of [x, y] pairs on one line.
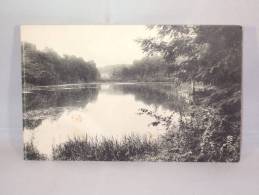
[[96, 83]]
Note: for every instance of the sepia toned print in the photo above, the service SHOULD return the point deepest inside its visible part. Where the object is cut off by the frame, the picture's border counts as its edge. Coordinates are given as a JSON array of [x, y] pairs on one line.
[[132, 92]]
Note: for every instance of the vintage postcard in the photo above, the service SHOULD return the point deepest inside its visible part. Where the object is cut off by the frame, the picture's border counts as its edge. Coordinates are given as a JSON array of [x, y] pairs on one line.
[[132, 92]]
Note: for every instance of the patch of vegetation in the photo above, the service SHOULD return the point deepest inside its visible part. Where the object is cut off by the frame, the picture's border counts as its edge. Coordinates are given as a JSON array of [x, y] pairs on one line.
[[32, 153], [203, 137], [130, 148]]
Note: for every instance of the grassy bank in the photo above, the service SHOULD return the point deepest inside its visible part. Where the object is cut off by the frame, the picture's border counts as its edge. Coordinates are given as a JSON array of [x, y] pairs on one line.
[[32, 153], [129, 148]]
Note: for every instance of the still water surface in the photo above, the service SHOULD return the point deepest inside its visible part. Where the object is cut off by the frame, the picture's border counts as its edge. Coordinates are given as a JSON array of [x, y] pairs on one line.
[[55, 114]]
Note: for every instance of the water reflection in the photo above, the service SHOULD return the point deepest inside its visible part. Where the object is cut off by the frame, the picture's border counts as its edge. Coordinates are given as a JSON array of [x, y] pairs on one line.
[[54, 115], [42, 103], [157, 94]]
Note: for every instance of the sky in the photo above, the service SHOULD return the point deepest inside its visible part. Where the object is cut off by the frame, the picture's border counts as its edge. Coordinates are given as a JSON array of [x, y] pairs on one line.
[[104, 44]]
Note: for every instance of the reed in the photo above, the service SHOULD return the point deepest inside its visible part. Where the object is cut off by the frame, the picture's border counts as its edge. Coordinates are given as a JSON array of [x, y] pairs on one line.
[[129, 148]]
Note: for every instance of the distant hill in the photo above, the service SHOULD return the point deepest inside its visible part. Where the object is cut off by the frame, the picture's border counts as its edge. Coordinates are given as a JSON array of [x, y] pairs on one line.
[[107, 71]]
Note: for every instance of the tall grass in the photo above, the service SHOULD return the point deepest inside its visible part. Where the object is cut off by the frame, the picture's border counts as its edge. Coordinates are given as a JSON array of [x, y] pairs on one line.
[[32, 153], [129, 148]]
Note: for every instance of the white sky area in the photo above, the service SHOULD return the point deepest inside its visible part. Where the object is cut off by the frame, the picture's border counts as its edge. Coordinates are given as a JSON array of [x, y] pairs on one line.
[[104, 44]]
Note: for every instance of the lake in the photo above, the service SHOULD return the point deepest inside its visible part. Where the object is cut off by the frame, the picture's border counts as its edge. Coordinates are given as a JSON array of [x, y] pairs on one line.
[[55, 114]]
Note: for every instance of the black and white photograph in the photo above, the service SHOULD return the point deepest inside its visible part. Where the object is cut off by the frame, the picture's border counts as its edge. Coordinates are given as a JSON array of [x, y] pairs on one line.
[[132, 92]]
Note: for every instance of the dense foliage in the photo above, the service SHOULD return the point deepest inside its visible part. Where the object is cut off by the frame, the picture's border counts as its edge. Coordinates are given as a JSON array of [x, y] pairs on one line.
[[211, 56], [48, 68]]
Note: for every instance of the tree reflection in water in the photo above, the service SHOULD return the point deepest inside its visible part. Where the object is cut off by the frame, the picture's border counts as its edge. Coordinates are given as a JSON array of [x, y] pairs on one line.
[[43, 102]]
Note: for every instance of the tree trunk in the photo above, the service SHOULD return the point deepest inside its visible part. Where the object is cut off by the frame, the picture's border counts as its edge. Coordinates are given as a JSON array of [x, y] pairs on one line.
[[193, 87]]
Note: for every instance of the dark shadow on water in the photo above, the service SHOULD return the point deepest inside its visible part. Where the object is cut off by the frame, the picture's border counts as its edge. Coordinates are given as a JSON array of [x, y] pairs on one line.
[[39, 104], [165, 95]]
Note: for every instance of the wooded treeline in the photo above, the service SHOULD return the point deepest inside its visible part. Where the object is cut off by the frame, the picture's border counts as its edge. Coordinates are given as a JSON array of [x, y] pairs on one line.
[[48, 68], [152, 68]]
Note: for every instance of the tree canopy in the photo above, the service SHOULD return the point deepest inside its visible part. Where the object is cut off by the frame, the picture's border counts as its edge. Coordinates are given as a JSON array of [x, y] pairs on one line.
[[211, 55], [48, 68]]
